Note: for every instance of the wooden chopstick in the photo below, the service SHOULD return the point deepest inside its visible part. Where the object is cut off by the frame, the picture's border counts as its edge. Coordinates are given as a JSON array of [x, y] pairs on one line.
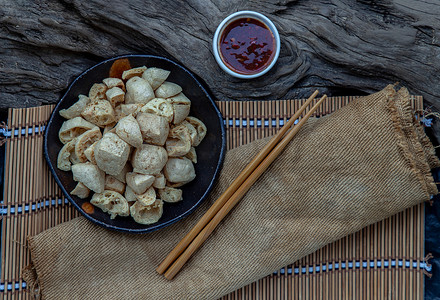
[[237, 195], [181, 246]]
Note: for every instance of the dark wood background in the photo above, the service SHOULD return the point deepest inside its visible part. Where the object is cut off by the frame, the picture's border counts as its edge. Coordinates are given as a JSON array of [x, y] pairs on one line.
[[344, 47]]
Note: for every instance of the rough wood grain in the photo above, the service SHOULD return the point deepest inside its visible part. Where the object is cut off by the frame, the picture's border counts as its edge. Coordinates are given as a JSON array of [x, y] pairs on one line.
[[342, 47]]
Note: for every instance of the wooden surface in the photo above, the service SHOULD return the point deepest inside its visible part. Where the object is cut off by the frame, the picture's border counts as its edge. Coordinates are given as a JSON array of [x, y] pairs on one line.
[[342, 47]]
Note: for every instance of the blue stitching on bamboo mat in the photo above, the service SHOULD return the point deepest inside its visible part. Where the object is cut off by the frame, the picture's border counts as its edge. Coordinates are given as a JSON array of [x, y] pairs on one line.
[[395, 263], [8, 133], [31, 207], [244, 123], [8, 286], [351, 265]]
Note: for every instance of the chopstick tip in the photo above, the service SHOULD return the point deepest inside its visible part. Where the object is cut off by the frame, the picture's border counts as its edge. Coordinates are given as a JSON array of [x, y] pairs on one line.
[[170, 274], [160, 270]]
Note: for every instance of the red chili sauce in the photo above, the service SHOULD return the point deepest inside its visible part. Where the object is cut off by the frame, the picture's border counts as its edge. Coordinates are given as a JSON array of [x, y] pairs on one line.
[[247, 46]]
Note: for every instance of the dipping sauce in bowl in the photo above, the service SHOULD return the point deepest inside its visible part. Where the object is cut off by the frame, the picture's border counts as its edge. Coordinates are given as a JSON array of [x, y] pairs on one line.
[[246, 44]]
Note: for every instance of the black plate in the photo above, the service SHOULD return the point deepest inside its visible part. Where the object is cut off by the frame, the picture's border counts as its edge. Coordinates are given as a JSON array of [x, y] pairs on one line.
[[210, 152]]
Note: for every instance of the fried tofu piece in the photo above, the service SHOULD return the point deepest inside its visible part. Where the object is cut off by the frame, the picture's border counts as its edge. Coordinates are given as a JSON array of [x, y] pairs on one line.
[[121, 176], [130, 195], [128, 130], [89, 175], [200, 127], [149, 159], [97, 92], [126, 75], [130, 109], [99, 112], [84, 141], [138, 91], [167, 90], [90, 153], [171, 195], [160, 107], [139, 183], [181, 107], [112, 184], [63, 160], [114, 82], [179, 170], [149, 214], [148, 197], [155, 76], [73, 128], [193, 134], [81, 191], [115, 96], [111, 202], [111, 154], [154, 128], [76, 109], [179, 141], [192, 155], [160, 181]]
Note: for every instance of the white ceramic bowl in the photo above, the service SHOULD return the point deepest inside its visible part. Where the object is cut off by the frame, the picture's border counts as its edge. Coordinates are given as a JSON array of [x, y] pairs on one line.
[[226, 22]]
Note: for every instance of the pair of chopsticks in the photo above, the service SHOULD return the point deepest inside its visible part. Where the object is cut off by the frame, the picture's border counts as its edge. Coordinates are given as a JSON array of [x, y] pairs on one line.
[[235, 192]]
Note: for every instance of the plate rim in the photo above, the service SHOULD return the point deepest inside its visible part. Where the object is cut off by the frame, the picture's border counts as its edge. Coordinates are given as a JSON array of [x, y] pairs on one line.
[[218, 168]]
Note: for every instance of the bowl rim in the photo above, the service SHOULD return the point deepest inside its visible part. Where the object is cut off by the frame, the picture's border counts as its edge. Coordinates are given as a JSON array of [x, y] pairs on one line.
[[220, 29], [219, 165]]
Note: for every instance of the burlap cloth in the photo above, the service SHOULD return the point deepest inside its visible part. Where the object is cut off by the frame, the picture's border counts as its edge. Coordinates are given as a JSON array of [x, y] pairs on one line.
[[342, 172]]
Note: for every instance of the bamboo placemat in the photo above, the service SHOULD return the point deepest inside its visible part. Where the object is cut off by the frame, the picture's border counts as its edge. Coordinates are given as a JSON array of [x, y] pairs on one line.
[[384, 260]]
